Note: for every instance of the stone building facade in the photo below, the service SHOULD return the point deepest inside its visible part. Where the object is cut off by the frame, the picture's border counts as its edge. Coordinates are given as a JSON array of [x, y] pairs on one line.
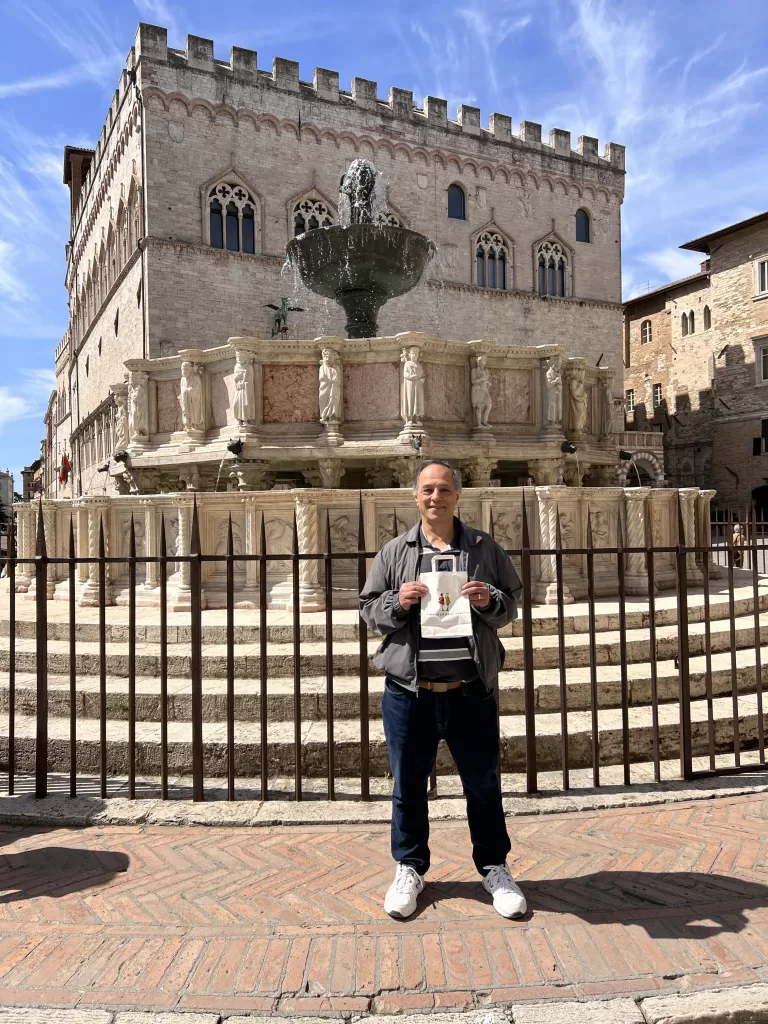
[[206, 168], [696, 366]]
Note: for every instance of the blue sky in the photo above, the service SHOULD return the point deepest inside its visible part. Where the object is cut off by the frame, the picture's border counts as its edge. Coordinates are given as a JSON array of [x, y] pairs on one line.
[[682, 83]]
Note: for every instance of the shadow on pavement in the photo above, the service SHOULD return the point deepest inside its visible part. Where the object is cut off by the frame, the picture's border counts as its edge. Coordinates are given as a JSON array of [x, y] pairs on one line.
[[56, 871]]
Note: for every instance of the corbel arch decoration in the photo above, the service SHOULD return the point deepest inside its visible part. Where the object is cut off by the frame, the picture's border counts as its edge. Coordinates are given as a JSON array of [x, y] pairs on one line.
[[232, 213]]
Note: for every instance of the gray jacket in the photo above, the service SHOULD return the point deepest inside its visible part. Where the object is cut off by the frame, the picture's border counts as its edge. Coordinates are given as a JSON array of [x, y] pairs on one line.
[[397, 563]]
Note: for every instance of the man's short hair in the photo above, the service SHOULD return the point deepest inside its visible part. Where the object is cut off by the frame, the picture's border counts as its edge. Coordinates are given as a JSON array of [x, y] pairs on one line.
[[455, 474]]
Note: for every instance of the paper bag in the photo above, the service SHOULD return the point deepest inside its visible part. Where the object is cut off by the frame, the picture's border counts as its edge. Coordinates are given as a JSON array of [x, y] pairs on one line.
[[444, 612]]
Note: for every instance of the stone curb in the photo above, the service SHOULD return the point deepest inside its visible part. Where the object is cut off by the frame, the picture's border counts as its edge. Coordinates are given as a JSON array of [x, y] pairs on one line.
[[745, 1004], [81, 812]]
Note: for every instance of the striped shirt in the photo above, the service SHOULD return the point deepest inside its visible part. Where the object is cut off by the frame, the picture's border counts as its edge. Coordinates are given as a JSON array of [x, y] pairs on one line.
[[443, 661]]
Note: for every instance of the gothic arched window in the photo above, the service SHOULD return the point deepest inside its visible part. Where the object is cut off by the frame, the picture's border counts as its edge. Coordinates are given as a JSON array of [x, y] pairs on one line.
[[646, 332], [551, 266], [684, 324], [457, 203], [231, 218], [691, 323], [707, 318], [310, 213], [492, 260], [583, 233]]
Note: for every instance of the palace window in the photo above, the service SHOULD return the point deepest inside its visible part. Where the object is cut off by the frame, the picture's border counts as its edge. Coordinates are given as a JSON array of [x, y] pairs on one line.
[[387, 220], [457, 203], [657, 396], [646, 332], [684, 324], [311, 213], [551, 265], [232, 219], [761, 361], [630, 400], [492, 260], [691, 323], [707, 318], [583, 233], [762, 277]]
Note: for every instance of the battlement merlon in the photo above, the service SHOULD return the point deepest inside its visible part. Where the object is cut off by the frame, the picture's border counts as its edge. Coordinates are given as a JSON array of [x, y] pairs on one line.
[[152, 44]]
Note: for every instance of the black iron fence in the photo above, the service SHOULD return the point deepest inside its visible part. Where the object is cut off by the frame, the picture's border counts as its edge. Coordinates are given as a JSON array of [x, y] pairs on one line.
[[725, 557]]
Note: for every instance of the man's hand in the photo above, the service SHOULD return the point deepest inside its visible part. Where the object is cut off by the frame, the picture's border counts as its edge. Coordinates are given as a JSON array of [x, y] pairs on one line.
[[478, 593], [410, 594]]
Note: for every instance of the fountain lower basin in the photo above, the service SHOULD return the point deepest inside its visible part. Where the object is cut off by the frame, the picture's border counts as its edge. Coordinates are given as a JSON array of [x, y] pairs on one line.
[[361, 266]]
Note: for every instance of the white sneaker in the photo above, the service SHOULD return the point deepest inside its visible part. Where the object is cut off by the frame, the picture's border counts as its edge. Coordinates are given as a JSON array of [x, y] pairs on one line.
[[402, 895], [508, 899]]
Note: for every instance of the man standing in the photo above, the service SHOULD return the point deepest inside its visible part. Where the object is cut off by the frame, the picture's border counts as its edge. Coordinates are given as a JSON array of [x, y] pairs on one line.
[[442, 688]]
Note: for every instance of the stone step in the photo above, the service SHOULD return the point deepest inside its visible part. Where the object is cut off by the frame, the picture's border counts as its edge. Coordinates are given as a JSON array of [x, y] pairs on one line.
[[313, 738], [346, 702], [346, 653], [345, 628]]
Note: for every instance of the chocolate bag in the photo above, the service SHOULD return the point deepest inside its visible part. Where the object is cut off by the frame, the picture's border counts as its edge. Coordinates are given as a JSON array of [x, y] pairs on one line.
[[444, 612]]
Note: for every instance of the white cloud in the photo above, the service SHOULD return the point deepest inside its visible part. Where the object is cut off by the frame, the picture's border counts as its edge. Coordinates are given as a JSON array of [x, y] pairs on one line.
[[29, 398]]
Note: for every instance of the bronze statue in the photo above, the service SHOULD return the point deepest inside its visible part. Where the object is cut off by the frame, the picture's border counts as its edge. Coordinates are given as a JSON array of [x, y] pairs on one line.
[[280, 319]]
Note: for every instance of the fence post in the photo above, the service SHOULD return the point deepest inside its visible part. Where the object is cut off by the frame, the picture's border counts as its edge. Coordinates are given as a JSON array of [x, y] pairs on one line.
[[686, 759], [196, 660], [41, 638], [531, 774], [365, 780], [12, 654]]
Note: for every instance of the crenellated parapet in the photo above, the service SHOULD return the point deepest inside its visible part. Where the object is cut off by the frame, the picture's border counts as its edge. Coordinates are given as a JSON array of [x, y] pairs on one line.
[[151, 45]]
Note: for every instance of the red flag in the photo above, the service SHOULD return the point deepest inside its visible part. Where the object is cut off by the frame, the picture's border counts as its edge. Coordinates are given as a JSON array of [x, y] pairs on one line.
[[66, 466]]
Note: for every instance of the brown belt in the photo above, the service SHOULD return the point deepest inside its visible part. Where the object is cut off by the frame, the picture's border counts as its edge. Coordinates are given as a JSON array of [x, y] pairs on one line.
[[427, 684]]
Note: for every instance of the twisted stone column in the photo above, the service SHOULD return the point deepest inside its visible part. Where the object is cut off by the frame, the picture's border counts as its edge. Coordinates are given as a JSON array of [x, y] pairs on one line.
[[546, 590], [24, 527], [89, 596], [150, 545], [636, 513], [308, 529], [251, 543], [704, 532]]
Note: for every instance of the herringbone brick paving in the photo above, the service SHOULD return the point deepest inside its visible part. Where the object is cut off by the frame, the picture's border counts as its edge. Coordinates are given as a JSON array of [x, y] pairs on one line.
[[628, 901]]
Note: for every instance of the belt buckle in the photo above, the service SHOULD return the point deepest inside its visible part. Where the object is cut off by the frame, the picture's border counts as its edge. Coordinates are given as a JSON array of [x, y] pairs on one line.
[[439, 687]]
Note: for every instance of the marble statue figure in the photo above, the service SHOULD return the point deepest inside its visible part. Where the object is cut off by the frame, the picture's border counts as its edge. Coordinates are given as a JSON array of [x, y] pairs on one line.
[[481, 391], [553, 383], [578, 401], [192, 397], [121, 421], [330, 387], [606, 410], [412, 404], [137, 404], [245, 396]]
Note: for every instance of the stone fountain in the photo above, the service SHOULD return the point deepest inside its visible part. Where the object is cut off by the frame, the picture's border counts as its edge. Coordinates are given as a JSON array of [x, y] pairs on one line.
[[359, 263]]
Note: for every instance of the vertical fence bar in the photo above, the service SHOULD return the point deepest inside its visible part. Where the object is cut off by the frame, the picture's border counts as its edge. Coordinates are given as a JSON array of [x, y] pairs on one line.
[[41, 637], [163, 660], [496, 689], [731, 556], [708, 657], [758, 639], [296, 661], [11, 656], [593, 694], [362, 629], [650, 562], [623, 651], [196, 659], [263, 740], [329, 659], [561, 653], [529, 690], [230, 663], [72, 665], [101, 657], [686, 760], [132, 661]]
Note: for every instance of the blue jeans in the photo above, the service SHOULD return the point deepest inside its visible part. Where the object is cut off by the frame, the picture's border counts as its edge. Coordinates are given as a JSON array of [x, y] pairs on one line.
[[414, 723]]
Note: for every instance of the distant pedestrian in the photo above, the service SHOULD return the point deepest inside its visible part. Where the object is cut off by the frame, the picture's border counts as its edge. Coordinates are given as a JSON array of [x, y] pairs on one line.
[[442, 688], [738, 540]]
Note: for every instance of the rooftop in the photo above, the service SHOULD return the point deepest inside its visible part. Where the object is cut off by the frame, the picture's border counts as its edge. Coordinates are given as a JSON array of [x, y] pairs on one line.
[[667, 287], [703, 244]]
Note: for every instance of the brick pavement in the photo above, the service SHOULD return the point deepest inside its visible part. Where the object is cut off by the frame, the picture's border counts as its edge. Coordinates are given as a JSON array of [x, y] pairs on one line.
[[630, 901]]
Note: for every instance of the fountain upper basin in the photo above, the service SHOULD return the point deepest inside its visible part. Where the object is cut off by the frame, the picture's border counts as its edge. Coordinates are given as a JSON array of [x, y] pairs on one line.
[[360, 266]]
